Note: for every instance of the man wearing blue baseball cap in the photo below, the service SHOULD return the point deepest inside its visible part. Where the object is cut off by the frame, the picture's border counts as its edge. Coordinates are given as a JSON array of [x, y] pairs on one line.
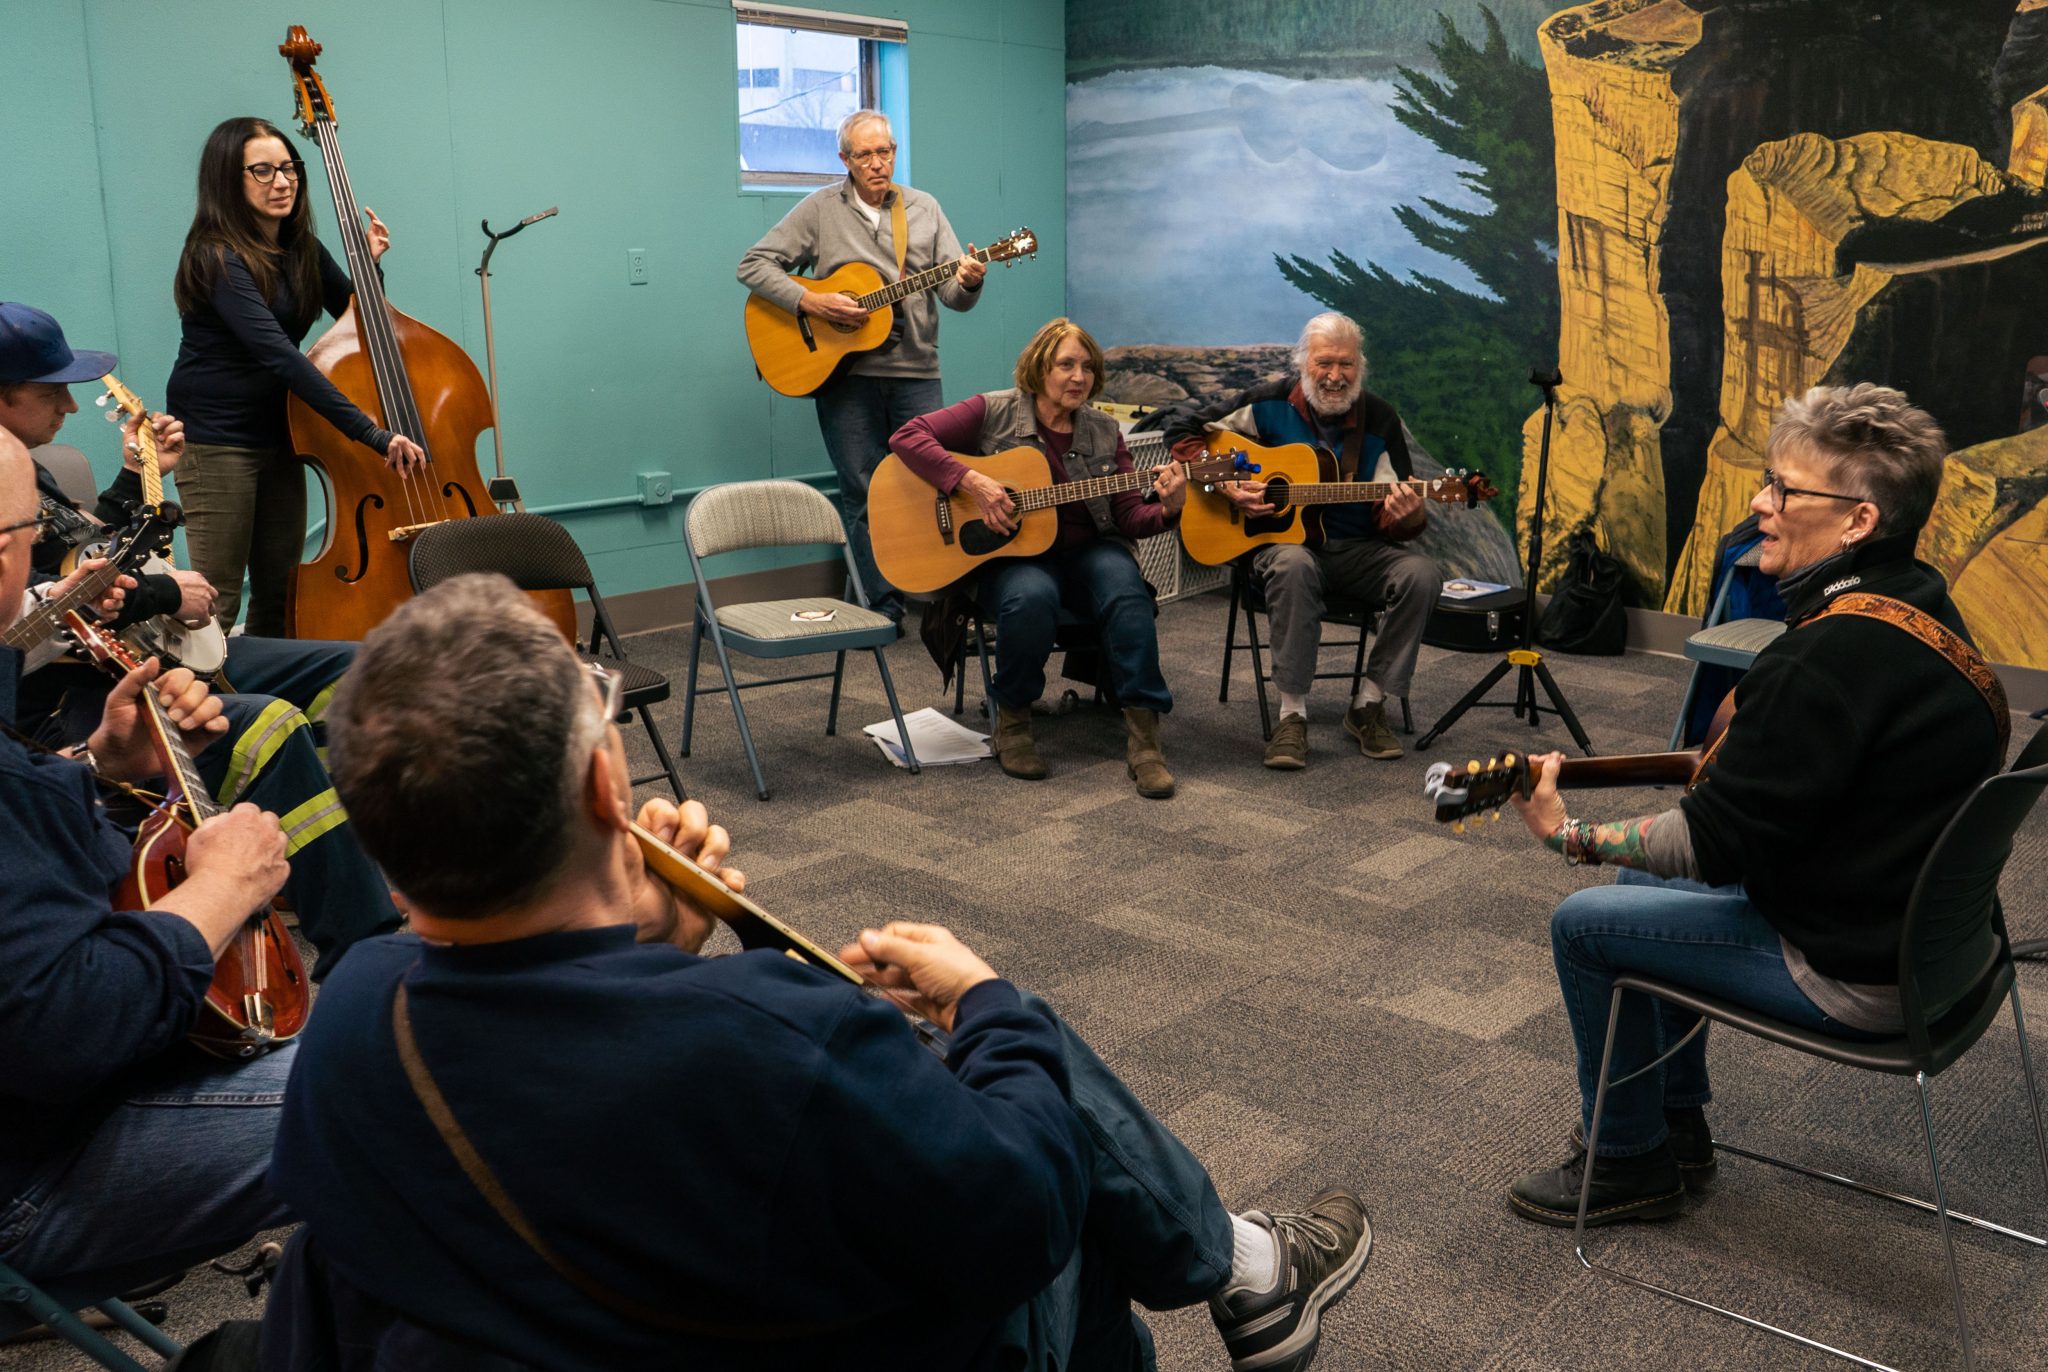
[[270, 754]]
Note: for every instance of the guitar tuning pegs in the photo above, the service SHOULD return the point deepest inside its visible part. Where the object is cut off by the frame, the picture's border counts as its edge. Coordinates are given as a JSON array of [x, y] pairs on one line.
[[1495, 817], [1507, 759], [1457, 826], [102, 401], [1492, 763], [1472, 767]]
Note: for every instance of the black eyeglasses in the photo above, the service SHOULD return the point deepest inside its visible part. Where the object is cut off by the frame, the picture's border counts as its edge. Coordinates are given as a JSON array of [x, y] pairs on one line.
[[40, 523], [266, 172], [1775, 484]]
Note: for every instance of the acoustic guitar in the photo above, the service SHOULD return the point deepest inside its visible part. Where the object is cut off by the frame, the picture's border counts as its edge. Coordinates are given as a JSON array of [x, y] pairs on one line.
[[924, 538], [1481, 788], [797, 353], [1298, 479]]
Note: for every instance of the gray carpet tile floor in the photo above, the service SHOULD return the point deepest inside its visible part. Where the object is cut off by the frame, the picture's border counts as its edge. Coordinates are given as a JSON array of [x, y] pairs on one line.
[[1313, 982]]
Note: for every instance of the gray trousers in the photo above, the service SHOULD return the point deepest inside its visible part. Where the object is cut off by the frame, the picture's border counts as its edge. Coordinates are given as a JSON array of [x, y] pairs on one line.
[[245, 512], [1296, 579]]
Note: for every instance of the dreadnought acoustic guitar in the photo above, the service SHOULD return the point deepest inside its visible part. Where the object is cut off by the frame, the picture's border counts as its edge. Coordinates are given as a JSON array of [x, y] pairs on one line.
[[925, 538], [797, 353], [1298, 479]]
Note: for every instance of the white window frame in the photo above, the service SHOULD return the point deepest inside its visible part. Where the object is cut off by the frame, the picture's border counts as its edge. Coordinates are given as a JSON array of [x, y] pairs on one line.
[[817, 21]]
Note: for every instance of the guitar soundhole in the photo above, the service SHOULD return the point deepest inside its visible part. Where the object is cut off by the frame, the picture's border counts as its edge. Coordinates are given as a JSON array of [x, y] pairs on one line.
[[978, 539], [844, 328]]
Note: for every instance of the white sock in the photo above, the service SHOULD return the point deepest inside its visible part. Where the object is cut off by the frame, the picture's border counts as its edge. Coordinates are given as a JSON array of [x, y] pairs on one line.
[[1369, 693], [1254, 1257], [1294, 705]]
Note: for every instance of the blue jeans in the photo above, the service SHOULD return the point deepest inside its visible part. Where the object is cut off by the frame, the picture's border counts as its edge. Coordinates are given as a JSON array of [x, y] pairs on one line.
[[1155, 1233], [1098, 582], [1707, 938], [175, 1175], [857, 414]]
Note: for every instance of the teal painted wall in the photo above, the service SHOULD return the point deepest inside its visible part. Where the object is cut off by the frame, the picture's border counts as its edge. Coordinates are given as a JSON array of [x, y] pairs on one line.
[[623, 112]]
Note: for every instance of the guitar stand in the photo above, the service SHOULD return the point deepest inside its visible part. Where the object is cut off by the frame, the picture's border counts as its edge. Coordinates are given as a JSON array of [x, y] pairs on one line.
[[1525, 659]]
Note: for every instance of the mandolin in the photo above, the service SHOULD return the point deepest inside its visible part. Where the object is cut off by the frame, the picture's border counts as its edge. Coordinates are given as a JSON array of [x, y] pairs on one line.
[[756, 928], [410, 379], [1298, 479], [1479, 788], [259, 996], [797, 353], [924, 538]]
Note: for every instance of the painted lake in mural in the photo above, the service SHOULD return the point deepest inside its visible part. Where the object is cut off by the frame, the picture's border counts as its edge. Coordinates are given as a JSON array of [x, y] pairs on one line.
[[1183, 182]]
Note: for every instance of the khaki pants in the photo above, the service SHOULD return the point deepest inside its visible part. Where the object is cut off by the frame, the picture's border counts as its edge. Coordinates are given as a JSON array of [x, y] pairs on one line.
[[1403, 582], [245, 512]]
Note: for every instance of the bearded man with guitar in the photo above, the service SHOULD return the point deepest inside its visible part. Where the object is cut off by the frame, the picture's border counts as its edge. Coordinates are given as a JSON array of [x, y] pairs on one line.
[[1780, 880], [543, 1126], [271, 752], [861, 219], [127, 1156], [1363, 552]]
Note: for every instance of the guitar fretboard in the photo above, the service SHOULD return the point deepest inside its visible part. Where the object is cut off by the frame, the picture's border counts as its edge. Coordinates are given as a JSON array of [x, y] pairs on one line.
[[919, 283], [45, 619], [1349, 492], [1065, 492]]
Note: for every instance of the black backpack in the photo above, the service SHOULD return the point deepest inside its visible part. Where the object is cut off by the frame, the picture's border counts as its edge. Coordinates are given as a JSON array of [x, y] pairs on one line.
[[1585, 614]]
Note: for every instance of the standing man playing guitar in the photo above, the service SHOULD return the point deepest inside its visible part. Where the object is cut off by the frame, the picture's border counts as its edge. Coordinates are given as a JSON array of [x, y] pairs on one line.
[[1780, 880], [1363, 553], [860, 220], [270, 753]]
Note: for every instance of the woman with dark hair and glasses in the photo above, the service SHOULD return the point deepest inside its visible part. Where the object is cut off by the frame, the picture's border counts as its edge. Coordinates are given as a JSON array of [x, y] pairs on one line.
[[251, 282], [1780, 880]]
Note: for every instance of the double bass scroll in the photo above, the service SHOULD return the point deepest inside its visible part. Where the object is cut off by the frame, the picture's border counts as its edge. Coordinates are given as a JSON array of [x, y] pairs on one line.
[[410, 379]]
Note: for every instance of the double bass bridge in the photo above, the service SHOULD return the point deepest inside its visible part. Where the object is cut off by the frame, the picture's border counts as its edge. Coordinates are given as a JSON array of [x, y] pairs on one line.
[[406, 532]]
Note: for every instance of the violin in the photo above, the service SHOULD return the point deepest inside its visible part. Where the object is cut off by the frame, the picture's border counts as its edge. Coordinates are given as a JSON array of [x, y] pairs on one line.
[[410, 379], [757, 928], [260, 994]]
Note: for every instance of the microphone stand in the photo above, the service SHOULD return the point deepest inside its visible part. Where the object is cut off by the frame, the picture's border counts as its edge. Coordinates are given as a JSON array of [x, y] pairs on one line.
[[503, 489], [1525, 659]]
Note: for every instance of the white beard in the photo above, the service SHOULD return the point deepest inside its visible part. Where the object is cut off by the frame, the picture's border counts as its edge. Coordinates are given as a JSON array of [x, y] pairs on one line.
[[1332, 406]]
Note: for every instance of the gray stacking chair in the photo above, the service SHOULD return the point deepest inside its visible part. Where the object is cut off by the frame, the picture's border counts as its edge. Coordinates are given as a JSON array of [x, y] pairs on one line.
[[1724, 642], [1347, 611], [777, 514], [23, 1305]]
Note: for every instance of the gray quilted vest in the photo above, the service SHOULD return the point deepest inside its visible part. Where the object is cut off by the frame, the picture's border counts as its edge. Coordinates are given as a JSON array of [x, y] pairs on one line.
[[1012, 422]]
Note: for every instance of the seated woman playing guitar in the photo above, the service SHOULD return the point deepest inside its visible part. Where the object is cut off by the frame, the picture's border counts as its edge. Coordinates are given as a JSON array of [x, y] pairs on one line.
[[1780, 880], [1090, 570]]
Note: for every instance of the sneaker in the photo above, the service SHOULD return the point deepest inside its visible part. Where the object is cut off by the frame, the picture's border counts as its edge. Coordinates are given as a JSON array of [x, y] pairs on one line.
[[1368, 724], [1692, 1144], [1321, 1254], [1288, 749], [1646, 1187]]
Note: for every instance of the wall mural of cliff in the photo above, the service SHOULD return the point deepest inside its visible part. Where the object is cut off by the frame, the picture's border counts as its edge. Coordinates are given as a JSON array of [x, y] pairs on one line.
[[1697, 207]]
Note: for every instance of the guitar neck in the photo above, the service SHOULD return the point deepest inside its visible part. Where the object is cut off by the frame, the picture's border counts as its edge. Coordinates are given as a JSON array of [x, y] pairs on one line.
[[189, 787], [1349, 492], [1636, 769], [1094, 487], [45, 619], [918, 284]]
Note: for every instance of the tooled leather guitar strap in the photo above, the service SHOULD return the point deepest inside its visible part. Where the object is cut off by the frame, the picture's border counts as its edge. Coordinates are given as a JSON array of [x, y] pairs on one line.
[[1943, 640], [487, 1184], [899, 227]]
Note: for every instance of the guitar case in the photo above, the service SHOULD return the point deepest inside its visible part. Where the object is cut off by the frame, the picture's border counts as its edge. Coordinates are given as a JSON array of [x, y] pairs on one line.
[[1490, 623]]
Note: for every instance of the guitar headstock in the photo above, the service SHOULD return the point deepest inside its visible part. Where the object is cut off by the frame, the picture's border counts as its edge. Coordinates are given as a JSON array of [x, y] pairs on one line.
[[1459, 486], [1022, 243], [1477, 788], [309, 92], [1212, 467]]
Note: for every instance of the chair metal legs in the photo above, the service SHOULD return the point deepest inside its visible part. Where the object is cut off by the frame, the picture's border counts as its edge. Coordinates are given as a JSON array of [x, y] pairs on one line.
[[1939, 1207], [838, 680], [668, 766], [895, 710], [17, 1290]]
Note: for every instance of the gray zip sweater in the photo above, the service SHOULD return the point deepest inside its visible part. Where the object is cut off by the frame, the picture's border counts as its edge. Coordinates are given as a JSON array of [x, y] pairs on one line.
[[826, 231]]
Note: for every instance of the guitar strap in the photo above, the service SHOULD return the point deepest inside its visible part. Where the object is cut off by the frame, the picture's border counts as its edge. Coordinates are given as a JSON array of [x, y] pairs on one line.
[[1942, 639], [487, 1184], [899, 227], [1354, 448]]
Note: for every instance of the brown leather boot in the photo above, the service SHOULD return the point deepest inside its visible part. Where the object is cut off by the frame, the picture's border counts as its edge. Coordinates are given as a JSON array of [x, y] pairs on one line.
[[1012, 744], [1143, 760]]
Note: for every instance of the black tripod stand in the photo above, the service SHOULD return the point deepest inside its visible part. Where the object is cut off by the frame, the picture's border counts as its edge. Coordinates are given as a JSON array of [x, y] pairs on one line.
[[1525, 658]]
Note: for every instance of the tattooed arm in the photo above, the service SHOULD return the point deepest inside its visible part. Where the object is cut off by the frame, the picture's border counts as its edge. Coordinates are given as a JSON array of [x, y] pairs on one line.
[[1659, 844]]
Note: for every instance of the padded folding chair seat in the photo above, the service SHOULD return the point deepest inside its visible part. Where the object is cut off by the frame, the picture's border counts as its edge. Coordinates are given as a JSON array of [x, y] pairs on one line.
[[1735, 642], [771, 629]]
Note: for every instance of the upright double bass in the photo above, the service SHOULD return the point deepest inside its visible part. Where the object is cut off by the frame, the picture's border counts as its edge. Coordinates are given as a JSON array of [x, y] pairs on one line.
[[412, 380]]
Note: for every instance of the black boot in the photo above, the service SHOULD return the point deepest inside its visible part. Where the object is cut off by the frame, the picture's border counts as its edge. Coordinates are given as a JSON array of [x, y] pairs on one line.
[[1643, 1187], [1692, 1144]]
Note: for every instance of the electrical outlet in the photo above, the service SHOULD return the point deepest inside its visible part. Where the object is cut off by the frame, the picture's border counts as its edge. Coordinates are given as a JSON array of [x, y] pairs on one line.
[[636, 266], [656, 488]]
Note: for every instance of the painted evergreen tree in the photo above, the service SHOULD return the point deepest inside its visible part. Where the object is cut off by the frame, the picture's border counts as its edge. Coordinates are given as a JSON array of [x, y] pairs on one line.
[[1451, 361]]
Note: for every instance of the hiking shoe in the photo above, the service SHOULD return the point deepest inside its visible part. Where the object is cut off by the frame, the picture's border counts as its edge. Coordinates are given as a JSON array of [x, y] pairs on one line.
[[1645, 1187], [1321, 1254], [1368, 724], [1288, 749], [1692, 1144]]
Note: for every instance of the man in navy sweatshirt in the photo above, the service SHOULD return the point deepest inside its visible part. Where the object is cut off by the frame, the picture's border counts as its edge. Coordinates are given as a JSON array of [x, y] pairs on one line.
[[542, 1127]]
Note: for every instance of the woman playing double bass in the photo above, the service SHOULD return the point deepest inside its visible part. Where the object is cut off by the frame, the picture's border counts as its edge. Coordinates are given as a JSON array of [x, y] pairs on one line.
[[252, 280]]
